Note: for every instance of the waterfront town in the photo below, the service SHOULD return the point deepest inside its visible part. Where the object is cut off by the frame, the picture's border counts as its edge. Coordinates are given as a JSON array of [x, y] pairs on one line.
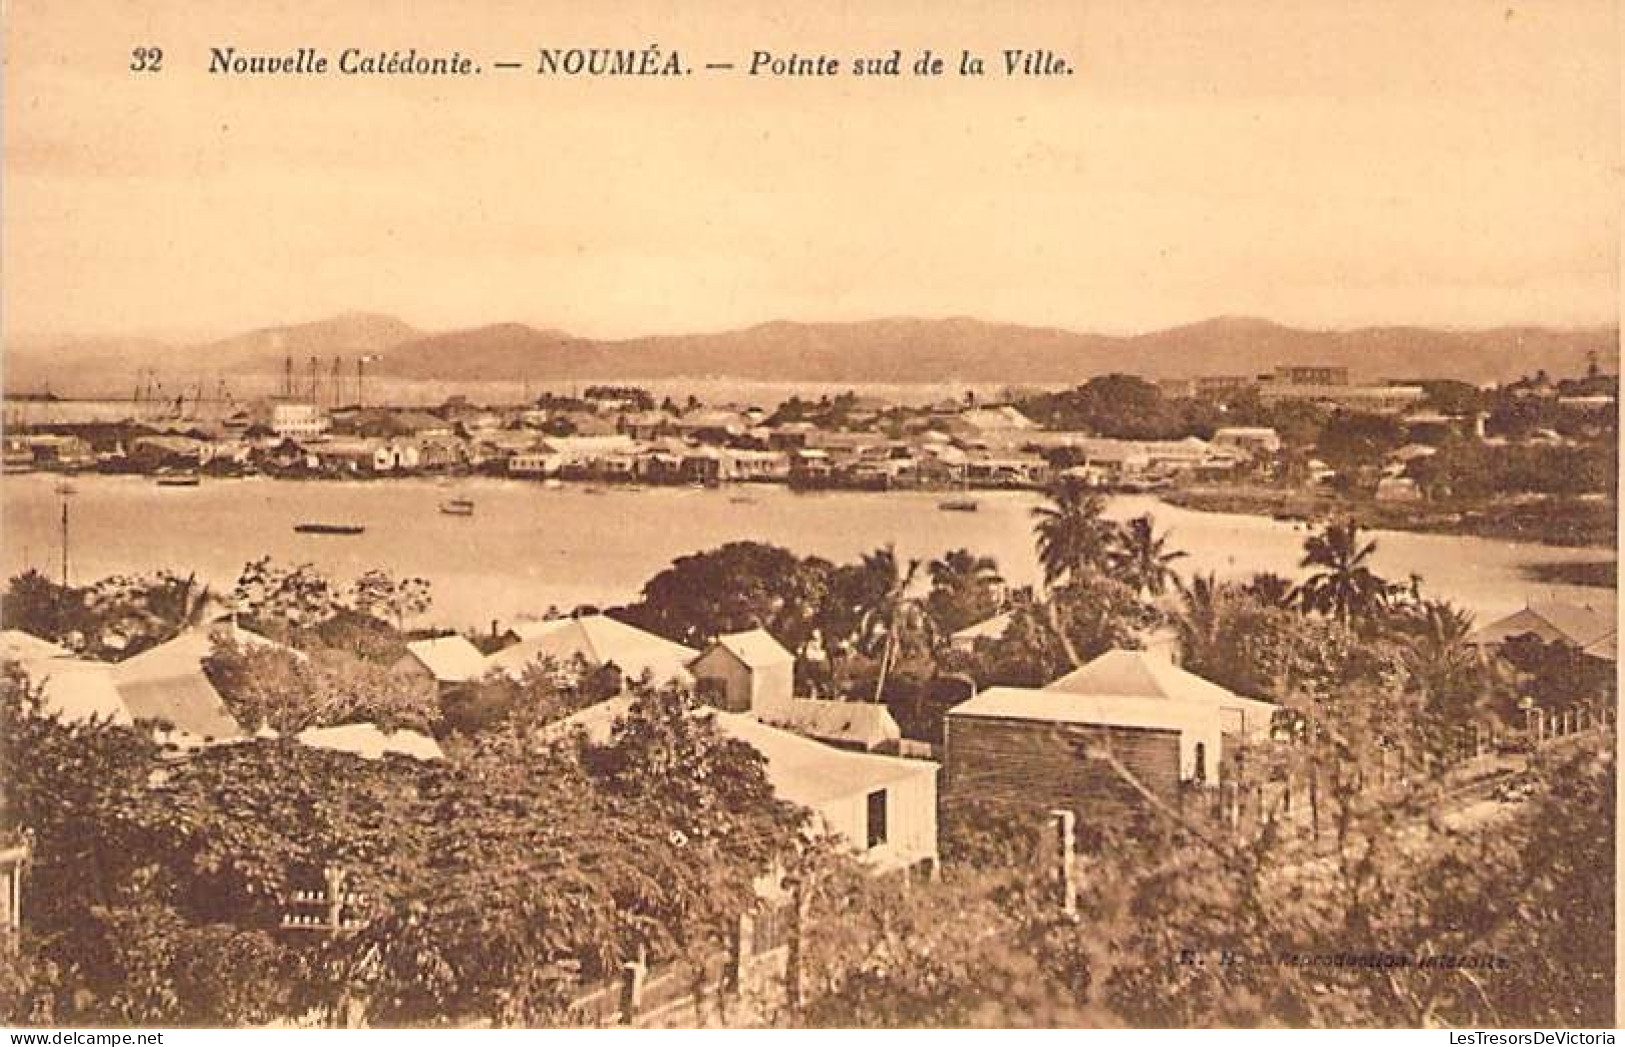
[[1533, 458], [749, 795]]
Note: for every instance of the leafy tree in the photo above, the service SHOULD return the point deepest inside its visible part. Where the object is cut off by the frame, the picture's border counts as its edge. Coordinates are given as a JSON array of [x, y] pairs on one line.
[[132, 613], [1351, 442], [380, 594], [738, 586], [280, 600], [39, 606], [290, 691], [545, 691]]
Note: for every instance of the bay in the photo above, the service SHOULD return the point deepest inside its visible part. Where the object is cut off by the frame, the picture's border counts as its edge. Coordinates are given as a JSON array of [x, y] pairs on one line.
[[528, 547]]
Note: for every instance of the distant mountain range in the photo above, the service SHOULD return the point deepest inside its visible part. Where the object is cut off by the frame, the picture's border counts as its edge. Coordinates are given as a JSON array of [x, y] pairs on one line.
[[872, 351]]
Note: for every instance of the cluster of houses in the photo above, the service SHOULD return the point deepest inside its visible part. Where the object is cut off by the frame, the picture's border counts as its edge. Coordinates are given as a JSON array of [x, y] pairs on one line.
[[947, 445], [1097, 741]]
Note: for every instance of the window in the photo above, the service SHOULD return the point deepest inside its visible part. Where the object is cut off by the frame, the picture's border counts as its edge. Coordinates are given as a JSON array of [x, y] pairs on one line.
[[877, 818]]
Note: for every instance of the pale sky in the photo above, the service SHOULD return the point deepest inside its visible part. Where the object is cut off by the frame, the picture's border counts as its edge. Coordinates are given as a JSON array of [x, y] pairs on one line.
[[1315, 162]]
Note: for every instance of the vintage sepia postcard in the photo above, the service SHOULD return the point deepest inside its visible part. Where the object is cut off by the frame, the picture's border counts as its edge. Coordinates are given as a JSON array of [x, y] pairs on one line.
[[749, 513]]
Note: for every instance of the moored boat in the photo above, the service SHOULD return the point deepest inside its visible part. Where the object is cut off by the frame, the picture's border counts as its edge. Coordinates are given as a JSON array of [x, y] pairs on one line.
[[959, 505], [178, 480], [328, 528], [458, 507]]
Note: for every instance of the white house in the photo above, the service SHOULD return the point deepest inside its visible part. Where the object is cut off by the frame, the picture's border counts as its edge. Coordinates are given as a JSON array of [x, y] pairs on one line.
[[883, 807]]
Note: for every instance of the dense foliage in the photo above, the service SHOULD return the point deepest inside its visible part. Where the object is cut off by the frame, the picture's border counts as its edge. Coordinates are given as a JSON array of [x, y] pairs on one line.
[[160, 879]]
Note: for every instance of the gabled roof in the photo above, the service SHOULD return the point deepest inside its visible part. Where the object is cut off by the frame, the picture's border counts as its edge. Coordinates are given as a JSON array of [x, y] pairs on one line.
[[801, 770], [167, 683], [451, 659], [756, 648], [1553, 623], [367, 741], [598, 639]]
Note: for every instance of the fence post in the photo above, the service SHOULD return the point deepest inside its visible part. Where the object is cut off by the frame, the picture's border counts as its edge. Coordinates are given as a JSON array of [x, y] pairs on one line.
[[795, 962], [1065, 824], [632, 974], [744, 935]]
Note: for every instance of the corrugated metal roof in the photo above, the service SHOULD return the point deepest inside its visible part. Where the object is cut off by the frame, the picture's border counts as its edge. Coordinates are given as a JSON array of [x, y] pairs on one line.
[[1046, 706]]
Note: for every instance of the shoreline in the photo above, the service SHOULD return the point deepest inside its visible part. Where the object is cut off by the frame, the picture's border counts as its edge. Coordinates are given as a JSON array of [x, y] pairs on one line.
[[1575, 524]]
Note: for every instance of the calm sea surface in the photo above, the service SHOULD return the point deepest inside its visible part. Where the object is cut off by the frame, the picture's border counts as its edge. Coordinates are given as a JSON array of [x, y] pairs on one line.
[[528, 546]]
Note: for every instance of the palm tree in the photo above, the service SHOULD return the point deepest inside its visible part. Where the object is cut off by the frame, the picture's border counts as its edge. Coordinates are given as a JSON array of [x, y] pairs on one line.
[[962, 569], [1269, 589], [1072, 535], [1345, 586], [894, 617], [1140, 557], [1437, 659], [965, 588], [1201, 623]]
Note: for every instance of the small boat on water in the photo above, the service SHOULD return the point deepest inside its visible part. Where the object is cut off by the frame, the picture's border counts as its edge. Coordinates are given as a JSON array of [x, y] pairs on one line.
[[328, 528], [179, 480], [742, 499], [959, 505], [458, 507]]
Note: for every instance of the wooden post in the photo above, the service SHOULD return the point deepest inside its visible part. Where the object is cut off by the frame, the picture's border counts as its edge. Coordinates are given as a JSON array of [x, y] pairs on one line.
[[795, 964], [632, 974], [335, 898], [744, 934], [1065, 825]]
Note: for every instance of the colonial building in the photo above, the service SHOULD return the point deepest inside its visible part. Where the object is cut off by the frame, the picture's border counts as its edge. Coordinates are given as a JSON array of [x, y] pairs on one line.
[[751, 673], [1026, 749], [1076, 743]]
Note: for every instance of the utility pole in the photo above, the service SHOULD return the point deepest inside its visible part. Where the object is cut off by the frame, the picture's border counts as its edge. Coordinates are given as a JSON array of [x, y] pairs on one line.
[[66, 492]]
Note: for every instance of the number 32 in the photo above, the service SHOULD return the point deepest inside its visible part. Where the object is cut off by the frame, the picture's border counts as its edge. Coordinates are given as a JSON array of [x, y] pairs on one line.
[[146, 60]]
